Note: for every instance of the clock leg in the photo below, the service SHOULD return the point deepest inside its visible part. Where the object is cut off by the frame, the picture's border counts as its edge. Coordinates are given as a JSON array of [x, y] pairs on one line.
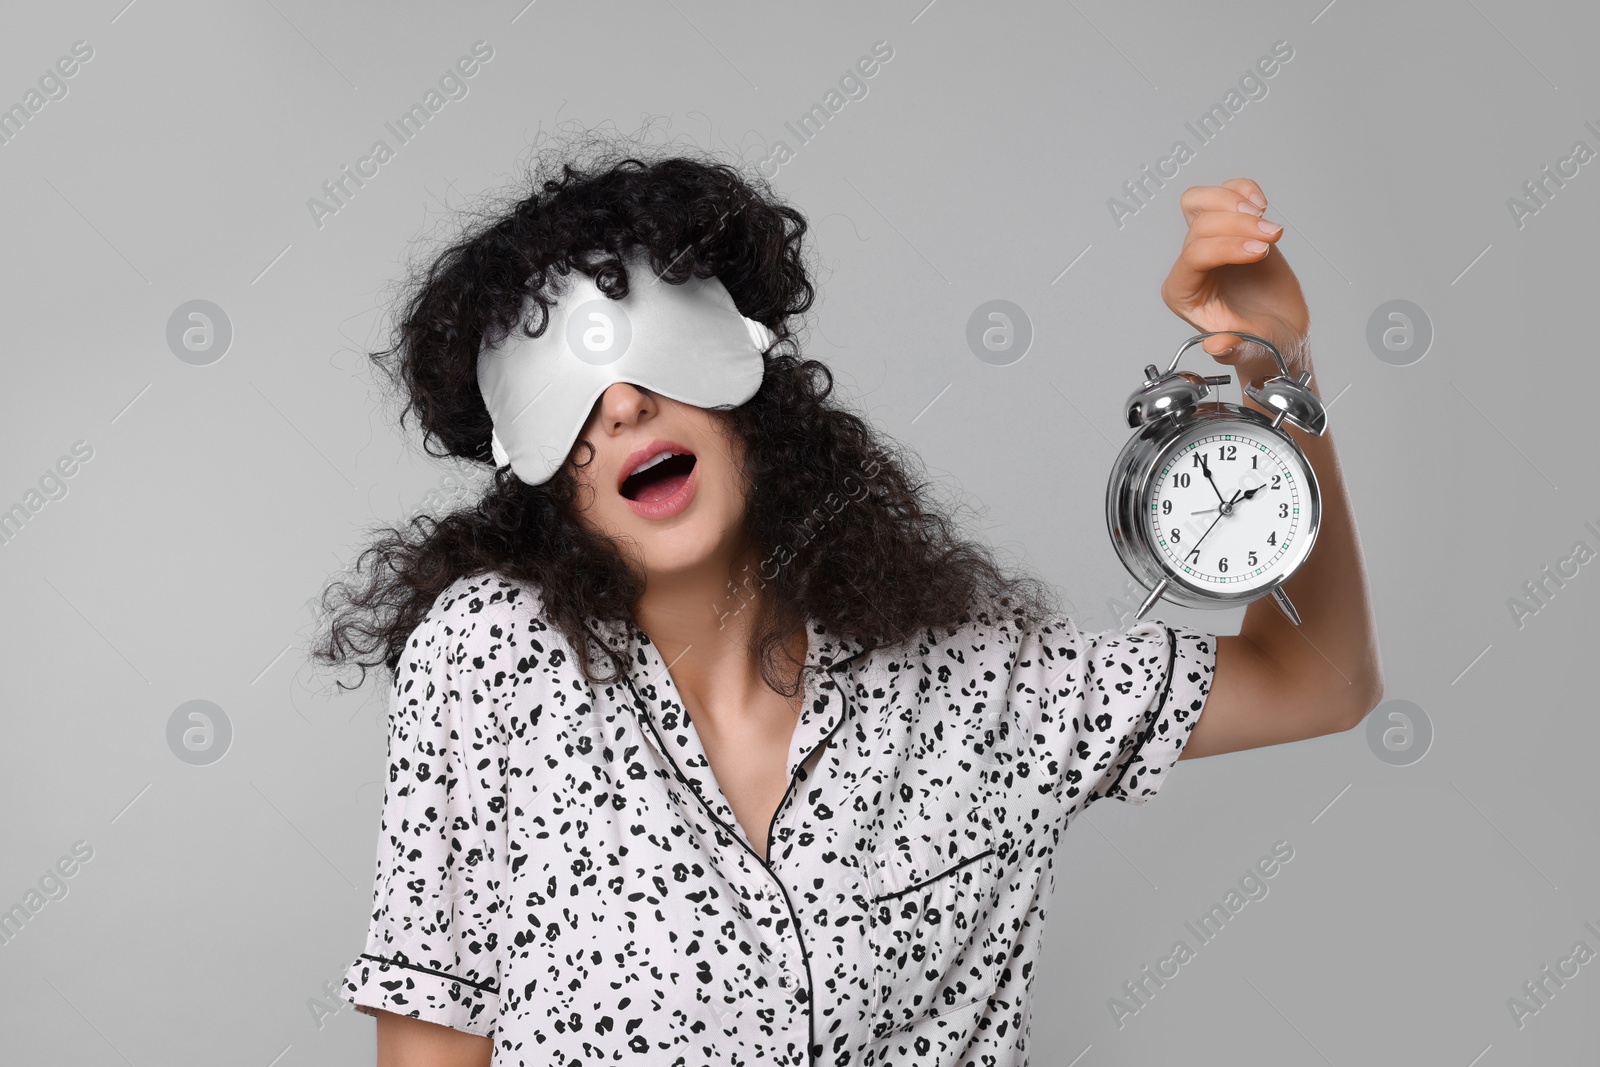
[[1155, 595], [1288, 607]]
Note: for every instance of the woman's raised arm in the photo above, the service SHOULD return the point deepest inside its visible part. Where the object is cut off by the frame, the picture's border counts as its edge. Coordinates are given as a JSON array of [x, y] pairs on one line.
[[1275, 682]]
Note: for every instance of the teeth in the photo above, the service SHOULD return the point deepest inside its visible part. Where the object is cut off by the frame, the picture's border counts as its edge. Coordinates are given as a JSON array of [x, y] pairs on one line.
[[659, 457]]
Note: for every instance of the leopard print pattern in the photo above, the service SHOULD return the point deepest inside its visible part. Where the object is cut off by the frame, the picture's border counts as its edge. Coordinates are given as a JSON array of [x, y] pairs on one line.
[[557, 869]]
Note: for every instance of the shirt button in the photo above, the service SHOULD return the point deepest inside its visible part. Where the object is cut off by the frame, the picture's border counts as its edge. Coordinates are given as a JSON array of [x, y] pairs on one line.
[[784, 981]]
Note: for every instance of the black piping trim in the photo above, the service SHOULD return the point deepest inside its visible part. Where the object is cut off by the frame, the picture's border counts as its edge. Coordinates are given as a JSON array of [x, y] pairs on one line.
[[844, 661], [805, 957], [933, 878], [793, 778], [483, 987], [794, 918], [1161, 705]]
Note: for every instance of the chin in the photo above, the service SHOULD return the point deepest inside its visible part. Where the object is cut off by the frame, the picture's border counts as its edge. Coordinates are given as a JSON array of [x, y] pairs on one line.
[[683, 549]]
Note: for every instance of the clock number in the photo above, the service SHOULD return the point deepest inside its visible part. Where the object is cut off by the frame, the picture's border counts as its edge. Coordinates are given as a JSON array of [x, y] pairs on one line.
[[1222, 565], [1182, 481], [1227, 452], [1272, 538], [1283, 511], [1166, 507], [1253, 462], [1252, 562], [1194, 553], [1276, 478], [1174, 535]]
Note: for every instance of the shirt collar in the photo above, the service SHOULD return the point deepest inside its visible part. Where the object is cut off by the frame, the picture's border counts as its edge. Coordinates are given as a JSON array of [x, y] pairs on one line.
[[827, 649], [656, 697]]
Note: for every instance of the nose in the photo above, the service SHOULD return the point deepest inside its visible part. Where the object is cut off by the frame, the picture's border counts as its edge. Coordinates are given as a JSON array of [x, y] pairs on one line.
[[623, 405]]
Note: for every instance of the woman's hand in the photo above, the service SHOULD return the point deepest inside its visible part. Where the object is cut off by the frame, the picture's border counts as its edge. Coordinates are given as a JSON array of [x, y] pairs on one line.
[[1274, 681], [1218, 283]]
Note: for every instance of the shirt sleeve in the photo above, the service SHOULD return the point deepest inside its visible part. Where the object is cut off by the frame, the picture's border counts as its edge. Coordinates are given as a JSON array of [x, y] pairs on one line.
[[433, 943], [1112, 709]]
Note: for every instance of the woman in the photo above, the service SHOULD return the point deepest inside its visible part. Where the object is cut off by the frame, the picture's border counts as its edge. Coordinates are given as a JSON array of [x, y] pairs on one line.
[[711, 741]]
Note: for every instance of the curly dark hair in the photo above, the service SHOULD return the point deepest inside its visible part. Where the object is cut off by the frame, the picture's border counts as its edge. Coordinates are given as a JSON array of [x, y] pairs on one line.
[[851, 534]]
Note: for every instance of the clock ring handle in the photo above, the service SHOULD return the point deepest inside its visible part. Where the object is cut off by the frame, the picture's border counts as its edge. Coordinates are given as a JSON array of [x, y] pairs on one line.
[[1286, 395], [1283, 368]]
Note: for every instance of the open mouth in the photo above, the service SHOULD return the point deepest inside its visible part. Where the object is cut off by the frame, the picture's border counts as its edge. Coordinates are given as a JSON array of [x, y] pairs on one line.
[[658, 478]]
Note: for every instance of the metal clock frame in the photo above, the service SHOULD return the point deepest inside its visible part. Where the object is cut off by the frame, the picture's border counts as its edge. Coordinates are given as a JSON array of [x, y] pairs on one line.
[[1166, 411]]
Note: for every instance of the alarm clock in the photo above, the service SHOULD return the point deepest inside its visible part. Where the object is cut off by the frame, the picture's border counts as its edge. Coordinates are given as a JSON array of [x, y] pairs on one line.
[[1213, 505]]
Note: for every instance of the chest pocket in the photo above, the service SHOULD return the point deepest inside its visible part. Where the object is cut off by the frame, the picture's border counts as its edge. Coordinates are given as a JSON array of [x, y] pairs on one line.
[[930, 909]]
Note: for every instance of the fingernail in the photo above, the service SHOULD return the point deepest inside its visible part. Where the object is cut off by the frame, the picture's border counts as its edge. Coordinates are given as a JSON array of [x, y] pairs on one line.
[[1268, 228], [1255, 246], [1247, 208], [1257, 200]]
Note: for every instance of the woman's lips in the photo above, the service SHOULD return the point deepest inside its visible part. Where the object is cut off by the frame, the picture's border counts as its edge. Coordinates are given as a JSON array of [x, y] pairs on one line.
[[632, 463], [665, 497]]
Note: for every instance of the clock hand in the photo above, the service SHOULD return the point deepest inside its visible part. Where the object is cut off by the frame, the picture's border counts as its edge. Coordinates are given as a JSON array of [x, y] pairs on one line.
[[1220, 512], [1206, 467]]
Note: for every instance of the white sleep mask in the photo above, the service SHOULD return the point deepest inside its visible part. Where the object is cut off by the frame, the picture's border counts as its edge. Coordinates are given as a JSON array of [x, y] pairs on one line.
[[688, 342]]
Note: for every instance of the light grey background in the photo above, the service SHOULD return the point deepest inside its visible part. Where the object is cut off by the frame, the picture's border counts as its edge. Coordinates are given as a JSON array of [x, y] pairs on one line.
[[178, 563]]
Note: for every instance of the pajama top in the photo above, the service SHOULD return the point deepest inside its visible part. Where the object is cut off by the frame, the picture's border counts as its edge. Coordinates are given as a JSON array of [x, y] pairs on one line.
[[558, 870]]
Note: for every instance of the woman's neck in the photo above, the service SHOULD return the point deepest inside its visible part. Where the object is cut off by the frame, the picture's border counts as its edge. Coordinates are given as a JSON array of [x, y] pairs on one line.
[[703, 633]]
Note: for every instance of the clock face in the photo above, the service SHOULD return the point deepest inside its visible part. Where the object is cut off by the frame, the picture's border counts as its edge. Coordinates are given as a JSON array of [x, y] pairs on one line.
[[1229, 511]]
